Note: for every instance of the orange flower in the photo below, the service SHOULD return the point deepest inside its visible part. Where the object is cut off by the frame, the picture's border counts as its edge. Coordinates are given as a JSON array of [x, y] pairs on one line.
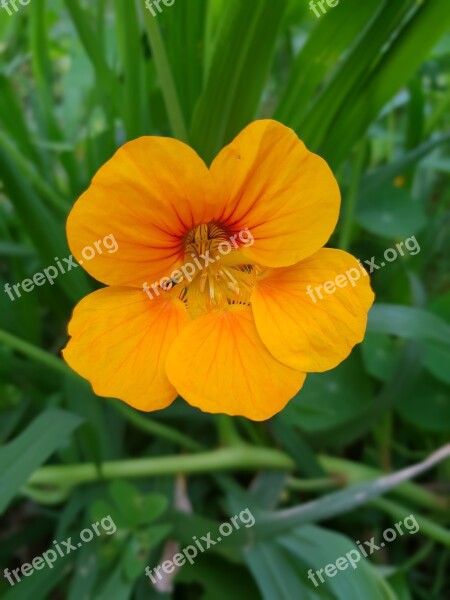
[[239, 335]]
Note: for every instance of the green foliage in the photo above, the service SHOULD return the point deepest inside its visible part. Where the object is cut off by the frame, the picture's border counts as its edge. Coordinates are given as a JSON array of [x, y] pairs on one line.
[[367, 86]]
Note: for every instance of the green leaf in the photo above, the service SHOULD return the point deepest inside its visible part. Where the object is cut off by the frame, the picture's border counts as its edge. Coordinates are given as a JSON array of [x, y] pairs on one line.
[[129, 45], [386, 174], [318, 58], [185, 30], [236, 79], [390, 212], [86, 572], [437, 358], [346, 84], [427, 406], [116, 587], [165, 74], [41, 583], [393, 69], [409, 323], [380, 354], [137, 508], [44, 230], [208, 571], [281, 567], [330, 399], [21, 457]]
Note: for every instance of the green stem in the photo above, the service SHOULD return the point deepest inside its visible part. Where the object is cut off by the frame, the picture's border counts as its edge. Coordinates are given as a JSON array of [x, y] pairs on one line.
[[164, 71], [228, 434], [441, 573], [357, 473], [426, 526], [312, 485], [225, 459], [35, 353], [418, 557], [46, 497], [155, 428], [352, 196]]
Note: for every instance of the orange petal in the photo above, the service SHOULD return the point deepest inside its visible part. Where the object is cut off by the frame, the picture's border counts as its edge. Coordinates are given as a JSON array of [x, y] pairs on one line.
[[147, 196], [286, 196], [219, 364], [300, 328], [120, 340]]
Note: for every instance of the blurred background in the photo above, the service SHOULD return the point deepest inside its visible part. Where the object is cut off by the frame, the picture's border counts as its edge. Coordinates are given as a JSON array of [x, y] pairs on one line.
[[366, 85]]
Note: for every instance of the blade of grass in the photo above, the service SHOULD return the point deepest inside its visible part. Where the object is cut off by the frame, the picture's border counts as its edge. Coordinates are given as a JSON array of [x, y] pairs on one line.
[[129, 38], [236, 79], [166, 78], [408, 49]]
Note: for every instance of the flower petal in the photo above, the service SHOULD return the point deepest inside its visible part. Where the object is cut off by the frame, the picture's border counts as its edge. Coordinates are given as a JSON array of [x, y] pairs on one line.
[[300, 328], [147, 196], [120, 340], [219, 364], [286, 196]]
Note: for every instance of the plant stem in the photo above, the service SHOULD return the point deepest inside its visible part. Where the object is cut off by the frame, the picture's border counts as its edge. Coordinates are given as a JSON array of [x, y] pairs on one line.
[[46, 497], [35, 353], [228, 434], [427, 526], [352, 196], [312, 485], [358, 473], [224, 459], [155, 428]]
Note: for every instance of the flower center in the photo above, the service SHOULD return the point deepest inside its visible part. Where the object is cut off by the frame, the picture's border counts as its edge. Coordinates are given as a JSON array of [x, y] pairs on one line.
[[218, 272]]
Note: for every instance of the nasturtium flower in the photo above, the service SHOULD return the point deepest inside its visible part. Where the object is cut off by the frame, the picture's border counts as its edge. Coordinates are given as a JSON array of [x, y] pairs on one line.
[[241, 334]]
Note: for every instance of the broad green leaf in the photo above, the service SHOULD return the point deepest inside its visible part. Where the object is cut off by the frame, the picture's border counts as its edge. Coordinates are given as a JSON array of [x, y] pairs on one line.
[[21, 457], [116, 587], [380, 353], [281, 567], [330, 399], [85, 572], [390, 212], [137, 508], [409, 323], [208, 572], [41, 582], [427, 406], [437, 359], [386, 174]]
